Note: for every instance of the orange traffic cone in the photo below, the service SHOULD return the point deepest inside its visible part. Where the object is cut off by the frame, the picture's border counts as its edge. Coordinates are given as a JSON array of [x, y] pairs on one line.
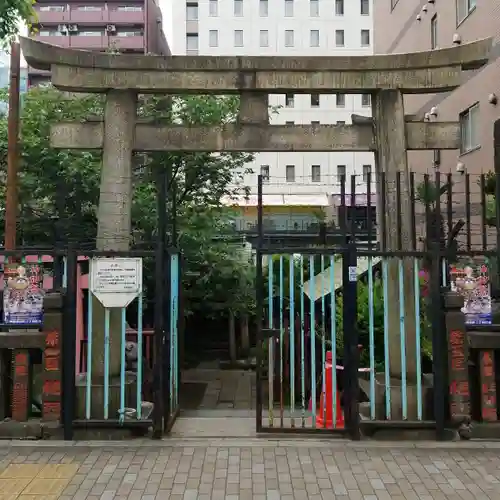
[[324, 417]]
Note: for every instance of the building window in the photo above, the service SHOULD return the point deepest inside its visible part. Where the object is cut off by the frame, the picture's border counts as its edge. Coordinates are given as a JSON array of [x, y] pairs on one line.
[[340, 100], [289, 38], [316, 173], [314, 100], [263, 8], [90, 8], [314, 38], [238, 8], [238, 38], [464, 8], [365, 7], [290, 173], [434, 32], [49, 33], [290, 123], [192, 12], [129, 8], [264, 38], [213, 8], [213, 38], [367, 169], [192, 41], [92, 32], [289, 100], [339, 7], [365, 38], [264, 172], [51, 8], [469, 128], [366, 100], [339, 38], [340, 122], [288, 8], [341, 170], [124, 32], [314, 8], [314, 123]]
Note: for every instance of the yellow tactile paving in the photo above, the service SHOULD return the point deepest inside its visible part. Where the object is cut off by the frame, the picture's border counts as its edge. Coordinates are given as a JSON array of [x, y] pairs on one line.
[[45, 487], [14, 471], [34, 482]]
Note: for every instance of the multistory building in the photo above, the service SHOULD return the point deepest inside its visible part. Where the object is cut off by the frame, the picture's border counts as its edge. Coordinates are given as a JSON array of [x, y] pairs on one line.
[[124, 25], [413, 26], [286, 28]]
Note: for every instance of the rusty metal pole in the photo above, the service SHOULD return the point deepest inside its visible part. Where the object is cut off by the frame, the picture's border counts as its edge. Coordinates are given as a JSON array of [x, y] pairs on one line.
[[11, 195]]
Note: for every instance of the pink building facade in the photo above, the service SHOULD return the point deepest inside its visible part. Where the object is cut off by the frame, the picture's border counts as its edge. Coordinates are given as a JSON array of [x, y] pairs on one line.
[[124, 25]]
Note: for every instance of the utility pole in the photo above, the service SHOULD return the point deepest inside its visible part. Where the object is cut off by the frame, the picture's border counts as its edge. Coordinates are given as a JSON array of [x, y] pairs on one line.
[[11, 195]]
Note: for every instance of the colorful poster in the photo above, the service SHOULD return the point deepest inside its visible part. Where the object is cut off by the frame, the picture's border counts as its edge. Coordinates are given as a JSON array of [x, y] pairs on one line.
[[23, 294], [473, 283]]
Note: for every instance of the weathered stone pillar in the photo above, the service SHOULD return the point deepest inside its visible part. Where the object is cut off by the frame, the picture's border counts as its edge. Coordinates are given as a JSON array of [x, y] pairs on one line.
[[115, 209], [254, 108], [115, 201], [391, 157]]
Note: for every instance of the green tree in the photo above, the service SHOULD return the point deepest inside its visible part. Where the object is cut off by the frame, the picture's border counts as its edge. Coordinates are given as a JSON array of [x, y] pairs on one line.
[[59, 193], [11, 13]]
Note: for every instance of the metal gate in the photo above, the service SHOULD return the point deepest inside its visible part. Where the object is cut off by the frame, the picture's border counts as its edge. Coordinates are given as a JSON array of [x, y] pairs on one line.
[[306, 362]]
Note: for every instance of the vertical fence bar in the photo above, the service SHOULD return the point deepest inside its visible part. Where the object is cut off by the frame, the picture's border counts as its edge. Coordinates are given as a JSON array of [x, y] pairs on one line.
[[371, 334], [139, 355], [302, 342], [402, 336], [412, 212], [88, 379], [123, 341], [312, 323], [271, 340], [333, 336], [418, 347], [369, 222], [291, 279], [259, 298], [385, 293], [281, 292], [467, 213], [174, 314], [69, 347], [323, 339], [484, 230], [106, 362]]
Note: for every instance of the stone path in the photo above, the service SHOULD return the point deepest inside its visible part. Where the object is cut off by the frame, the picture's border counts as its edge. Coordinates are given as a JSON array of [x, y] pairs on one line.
[[225, 389], [253, 469]]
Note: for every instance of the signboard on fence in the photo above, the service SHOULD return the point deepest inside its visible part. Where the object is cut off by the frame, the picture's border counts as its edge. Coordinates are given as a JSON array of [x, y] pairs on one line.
[[473, 283], [23, 294], [116, 281]]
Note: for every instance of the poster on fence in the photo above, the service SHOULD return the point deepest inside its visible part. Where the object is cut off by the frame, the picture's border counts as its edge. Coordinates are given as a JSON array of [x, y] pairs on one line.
[[473, 283], [23, 294]]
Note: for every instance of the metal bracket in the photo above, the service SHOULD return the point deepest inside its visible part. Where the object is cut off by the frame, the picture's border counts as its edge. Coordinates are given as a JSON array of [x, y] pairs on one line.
[[267, 333]]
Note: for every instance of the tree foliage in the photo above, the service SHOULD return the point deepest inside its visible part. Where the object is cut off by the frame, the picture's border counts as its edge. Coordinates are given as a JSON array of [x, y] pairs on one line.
[[11, 13], [59, 192]]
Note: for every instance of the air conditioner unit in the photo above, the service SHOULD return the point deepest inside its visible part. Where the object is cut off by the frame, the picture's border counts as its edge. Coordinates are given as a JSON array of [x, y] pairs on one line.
[[110, 28], [73, 28]]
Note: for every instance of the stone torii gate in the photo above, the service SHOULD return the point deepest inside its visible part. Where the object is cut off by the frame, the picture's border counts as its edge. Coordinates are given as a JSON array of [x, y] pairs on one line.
[[389, 134]]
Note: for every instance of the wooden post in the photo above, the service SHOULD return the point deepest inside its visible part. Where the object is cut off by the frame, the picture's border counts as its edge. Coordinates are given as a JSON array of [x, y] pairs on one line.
[[233, 355]]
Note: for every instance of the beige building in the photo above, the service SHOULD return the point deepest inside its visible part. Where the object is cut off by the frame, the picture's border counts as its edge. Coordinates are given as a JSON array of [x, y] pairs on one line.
[[417, 25]]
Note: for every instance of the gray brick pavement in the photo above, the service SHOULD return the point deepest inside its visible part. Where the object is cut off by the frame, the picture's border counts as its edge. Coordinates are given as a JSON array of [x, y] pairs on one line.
[[271, 470]]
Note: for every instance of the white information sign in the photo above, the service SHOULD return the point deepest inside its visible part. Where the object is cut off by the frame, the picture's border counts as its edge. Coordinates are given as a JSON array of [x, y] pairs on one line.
[[116, 281], [353, 274]]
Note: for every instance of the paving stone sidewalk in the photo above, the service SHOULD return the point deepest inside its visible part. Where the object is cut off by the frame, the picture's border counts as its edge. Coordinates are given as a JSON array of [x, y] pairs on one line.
[[252, 469]]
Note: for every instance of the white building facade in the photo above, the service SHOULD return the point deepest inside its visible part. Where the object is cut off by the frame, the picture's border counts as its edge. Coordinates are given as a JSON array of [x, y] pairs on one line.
[[286, 28]]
